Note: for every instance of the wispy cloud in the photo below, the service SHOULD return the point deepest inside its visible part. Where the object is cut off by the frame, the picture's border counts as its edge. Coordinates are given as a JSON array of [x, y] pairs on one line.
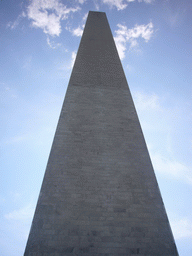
[[131, 36], [173, 15], [146, 1], [18, 139], [182, 228], [157, 119], [147, 101], [150, 110], [171, 168], [48, 14], [122, 4], [96, 4], [79, 30], [24, 213], [27, 62], [52, 43], [81, 1], [130, 69], [9, 92], [119, 4], [38, 120], [13, 25], [16, 196]]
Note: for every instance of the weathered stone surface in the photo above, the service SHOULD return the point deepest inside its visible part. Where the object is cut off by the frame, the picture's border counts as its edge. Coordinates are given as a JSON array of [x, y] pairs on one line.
[[99, 195]]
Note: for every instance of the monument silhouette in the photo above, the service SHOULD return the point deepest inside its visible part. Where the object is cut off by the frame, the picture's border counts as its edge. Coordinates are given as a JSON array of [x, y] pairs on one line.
[[99, 195]]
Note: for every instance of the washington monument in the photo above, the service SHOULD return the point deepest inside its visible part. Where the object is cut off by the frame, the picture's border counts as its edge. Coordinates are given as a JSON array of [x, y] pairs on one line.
[[99, 195]]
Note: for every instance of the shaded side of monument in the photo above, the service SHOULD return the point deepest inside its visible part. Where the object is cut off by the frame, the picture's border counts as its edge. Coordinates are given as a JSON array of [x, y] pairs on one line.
[[99, 194]]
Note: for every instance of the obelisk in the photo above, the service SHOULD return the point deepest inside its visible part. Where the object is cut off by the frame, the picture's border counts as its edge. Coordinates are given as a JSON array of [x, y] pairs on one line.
[[99, 195]]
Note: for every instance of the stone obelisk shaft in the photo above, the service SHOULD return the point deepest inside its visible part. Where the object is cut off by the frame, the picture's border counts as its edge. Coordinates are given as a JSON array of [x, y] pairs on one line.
[[99, 195]]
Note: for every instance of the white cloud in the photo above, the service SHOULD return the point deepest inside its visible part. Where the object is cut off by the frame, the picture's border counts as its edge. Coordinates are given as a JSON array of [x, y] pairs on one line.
[[182, 228], [48, 14], [155, 107], [171, 168], [122, 4], [131, 36], [96, 4], [24, 213], [130, 68], [121, 45], [119, 4], [77, 31], [85, 17], [147, 102], [159, 123], [81, 1], [150, 110], [146, 1], [73, 56]]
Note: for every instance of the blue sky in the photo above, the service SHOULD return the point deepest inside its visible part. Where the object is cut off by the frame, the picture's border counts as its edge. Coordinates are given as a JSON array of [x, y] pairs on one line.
[[38, 43]]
